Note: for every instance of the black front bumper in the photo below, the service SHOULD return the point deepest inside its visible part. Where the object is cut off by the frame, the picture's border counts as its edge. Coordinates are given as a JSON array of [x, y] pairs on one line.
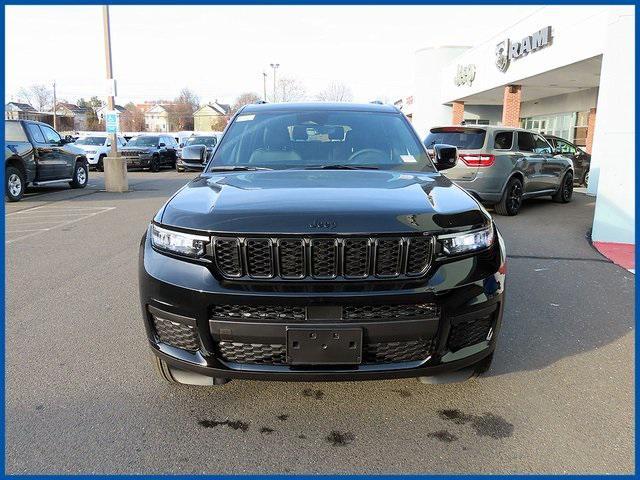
[[178, 300]]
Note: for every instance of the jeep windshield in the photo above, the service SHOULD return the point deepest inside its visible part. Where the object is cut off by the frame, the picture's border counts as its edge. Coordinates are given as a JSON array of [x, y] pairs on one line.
[[321, 139], [144, 142]]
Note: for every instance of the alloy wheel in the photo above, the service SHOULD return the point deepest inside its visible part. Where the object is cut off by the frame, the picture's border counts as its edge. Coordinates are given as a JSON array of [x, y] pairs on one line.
[[15, 184], [515, 197], [81, 175]]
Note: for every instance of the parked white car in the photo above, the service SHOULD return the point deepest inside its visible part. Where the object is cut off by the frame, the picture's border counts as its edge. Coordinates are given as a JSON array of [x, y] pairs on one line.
[[96, 148]]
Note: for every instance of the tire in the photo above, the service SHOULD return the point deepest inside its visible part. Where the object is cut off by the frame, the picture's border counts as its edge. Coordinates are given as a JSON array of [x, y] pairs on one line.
[[80, 176], [483, 365], [100, 164], [585, 179], [154, 166], [511, 200], [15, 184], [565, 192]]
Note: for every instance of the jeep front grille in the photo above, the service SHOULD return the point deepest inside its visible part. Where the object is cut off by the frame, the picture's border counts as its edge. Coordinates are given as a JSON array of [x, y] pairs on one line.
[[343, 258]]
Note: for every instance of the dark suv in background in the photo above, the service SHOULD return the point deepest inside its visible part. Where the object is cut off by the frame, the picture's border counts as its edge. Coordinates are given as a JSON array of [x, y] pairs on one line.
[[502, 166], [581, 159], [150, 151], [321, 243]]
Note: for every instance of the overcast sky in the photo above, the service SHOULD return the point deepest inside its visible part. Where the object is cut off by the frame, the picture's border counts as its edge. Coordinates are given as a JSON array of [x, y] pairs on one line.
[[221, 51]]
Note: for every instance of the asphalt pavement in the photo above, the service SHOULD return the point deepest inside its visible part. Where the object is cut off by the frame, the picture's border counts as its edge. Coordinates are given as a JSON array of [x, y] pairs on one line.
[[82, 397]]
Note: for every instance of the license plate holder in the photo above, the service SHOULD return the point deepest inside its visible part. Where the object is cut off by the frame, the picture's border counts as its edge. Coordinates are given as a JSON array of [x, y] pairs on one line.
[[324, 346]]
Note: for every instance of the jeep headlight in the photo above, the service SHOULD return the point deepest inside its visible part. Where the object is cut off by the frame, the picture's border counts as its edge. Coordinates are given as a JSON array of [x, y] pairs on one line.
[[193, 246], [465, 242]]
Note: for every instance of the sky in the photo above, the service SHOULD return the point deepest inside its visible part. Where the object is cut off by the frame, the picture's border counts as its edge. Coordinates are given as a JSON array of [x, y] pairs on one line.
[[220, 52]]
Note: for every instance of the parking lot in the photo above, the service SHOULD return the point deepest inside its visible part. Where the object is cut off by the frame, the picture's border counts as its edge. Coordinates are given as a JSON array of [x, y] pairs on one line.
[[82, 396]]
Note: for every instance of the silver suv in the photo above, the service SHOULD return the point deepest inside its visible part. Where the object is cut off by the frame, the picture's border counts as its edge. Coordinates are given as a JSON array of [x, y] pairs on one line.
[[503, 166]]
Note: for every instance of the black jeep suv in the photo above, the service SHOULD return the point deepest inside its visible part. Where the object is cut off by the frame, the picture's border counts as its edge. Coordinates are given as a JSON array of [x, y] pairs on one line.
[[321, 243], [150, 151]]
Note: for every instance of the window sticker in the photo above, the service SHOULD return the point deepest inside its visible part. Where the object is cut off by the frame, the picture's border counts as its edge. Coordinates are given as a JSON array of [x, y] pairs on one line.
[[408, 159], [245, 118]]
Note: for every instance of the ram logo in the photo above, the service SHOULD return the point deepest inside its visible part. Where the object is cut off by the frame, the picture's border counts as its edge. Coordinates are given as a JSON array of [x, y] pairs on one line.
[[502, 55]]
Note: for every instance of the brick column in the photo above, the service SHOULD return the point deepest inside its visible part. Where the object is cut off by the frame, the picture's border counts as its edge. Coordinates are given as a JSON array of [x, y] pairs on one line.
[[458, 113], [511, 106], [591, 127]]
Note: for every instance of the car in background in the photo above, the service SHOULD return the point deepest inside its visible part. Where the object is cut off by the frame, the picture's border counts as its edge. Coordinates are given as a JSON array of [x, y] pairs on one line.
[[581, 159], [150, 151], [97, 147], [209, 141], [35, 154], [502, 166]]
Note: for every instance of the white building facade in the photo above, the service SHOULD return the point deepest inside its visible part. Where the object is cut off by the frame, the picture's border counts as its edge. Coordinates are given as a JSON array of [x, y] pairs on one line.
[[564, 70]]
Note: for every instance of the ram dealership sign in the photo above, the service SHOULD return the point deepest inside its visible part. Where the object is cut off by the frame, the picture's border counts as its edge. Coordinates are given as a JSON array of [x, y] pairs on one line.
[[508, 50], [465, 75]]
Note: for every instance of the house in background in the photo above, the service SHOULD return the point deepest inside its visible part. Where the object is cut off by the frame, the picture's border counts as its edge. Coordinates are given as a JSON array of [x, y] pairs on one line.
[[211, 117], [20, 111], [157, 118], [71, 117]]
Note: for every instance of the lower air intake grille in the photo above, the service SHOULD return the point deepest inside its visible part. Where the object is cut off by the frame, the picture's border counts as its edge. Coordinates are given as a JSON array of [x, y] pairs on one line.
[[468, 333], [253, 353], [176, 334], [258, 312], [398, 351], [374, 353], [386, 312]]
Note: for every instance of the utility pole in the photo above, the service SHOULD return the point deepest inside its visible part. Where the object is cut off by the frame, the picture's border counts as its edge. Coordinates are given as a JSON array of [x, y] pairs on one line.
[[55, 115], [115, 169], [275, 67], [264, 85]]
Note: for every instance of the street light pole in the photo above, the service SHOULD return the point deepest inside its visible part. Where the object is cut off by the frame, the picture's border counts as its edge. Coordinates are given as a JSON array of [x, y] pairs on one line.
[[115, 168], [275, 67], [264, 85], [107, 52]]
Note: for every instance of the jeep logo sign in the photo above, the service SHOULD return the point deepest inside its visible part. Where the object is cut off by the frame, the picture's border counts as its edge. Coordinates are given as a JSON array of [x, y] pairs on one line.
[[465, 75], [508, 50]]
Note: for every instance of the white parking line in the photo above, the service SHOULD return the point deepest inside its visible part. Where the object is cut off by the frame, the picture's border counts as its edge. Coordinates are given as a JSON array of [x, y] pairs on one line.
[[58, 220]]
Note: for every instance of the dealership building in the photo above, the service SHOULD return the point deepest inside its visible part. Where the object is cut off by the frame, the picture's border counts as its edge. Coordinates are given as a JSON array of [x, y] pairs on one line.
[[563, 70]]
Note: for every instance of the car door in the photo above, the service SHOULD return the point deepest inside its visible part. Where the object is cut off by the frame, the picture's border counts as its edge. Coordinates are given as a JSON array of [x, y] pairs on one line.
[[552, 166], [163, 150], [569, 150], [171, 149], [64, 159], [45, 157], [532, 163]]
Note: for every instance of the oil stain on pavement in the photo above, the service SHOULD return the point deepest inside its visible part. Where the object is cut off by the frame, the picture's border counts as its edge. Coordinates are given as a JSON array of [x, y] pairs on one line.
[[485, 425], [233, 424], [340, 439]]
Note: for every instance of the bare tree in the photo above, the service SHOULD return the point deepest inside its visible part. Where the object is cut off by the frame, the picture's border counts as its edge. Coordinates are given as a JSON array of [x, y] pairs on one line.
[[335, 92], [133, 119], [244, 99], [39, 97], [290, 89], [181, 111]]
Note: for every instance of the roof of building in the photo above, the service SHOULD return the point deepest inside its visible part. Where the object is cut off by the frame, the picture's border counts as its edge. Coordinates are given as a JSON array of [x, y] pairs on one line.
[[221, 108], [320, 106], [23, 106], [72, 107]]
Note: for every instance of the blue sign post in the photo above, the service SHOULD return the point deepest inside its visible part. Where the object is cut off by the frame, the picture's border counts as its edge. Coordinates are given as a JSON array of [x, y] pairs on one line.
[[112, 121]]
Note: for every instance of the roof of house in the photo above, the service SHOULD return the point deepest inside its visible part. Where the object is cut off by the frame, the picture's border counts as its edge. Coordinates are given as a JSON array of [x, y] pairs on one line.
[[119, 108], [23, 106], [72, 107], [221, 108]]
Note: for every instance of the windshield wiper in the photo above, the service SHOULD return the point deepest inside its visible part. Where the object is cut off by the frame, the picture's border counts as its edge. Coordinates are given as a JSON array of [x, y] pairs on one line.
[[341, 167], [236, 168]]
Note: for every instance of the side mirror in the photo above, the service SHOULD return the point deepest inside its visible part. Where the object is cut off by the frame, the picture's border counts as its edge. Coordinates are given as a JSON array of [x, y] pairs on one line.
[[194, 153], [162, 144], [181, 145], [446, 156]]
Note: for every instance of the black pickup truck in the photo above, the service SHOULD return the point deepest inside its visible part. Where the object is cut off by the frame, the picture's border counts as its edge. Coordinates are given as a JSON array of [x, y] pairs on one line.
[[35, 154]]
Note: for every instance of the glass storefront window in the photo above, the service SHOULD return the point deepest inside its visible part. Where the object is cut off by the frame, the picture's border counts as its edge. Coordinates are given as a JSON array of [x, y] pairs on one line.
[[562, 125]]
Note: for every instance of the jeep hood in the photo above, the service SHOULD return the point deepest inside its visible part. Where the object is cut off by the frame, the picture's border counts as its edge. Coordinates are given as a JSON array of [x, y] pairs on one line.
[[322, 201]]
